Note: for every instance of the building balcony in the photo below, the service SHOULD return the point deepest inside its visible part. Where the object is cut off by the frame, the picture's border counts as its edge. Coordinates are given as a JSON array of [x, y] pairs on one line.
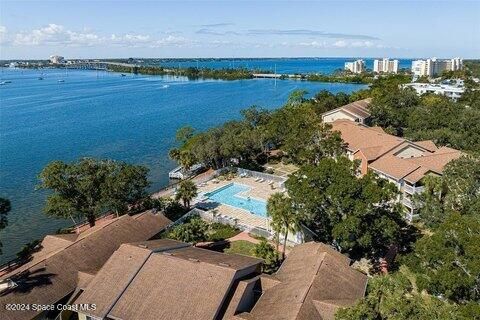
[[412, 189], [408, 203]]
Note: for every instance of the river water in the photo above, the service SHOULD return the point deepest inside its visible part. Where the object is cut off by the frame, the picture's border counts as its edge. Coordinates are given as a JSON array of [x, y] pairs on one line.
[[104, 115]]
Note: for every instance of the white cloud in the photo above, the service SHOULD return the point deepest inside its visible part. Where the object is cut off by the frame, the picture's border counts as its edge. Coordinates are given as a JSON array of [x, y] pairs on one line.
[[314, 44], [3, 35], [54, 34]]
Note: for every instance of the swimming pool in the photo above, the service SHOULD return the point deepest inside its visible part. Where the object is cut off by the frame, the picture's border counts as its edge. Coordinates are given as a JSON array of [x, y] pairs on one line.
[[229, 195]]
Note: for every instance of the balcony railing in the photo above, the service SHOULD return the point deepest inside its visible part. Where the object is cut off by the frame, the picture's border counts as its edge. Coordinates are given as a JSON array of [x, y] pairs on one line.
[[412, 189], [409, 203]]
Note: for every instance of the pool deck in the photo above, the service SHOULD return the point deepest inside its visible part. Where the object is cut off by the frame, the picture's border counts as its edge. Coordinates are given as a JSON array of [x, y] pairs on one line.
[[258, 190]]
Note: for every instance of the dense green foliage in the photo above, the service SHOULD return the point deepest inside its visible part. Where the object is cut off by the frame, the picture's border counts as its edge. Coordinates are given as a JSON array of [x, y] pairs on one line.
[[458, 190], [194, 230], [447, 261], [186, 191], [169, 207], [429, 117], [191, 72], [267, 252], [90, 187], [397, 297], [5, 208], [284, 219], [249, 139], [357, 214]]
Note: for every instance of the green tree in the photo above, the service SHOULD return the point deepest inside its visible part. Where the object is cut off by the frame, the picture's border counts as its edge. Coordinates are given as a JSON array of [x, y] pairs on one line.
[[283, 217], [193, 231], [448, 260], [432, 201], [124, 186], [5, 208], [267, 252], [90, 187], [186, 191], [296, 98], [358, 215], [184, 134], [396, 297], [462, 177], [457, 190]]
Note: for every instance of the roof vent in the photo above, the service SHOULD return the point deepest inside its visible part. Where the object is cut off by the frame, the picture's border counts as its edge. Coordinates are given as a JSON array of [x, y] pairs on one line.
[[223, 264], [193, 260], [143, 246], [167, 253]]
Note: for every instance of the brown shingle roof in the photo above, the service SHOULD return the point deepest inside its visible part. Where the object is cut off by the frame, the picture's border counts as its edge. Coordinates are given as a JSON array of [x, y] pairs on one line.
[[55, 276], [360, 137], [166, 279], [357, 109], [380, 150], [393, 166], [314, 281], [427, 144]]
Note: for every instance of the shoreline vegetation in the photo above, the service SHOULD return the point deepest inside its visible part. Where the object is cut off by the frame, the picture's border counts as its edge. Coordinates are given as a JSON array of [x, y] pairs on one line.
[[233, 73]]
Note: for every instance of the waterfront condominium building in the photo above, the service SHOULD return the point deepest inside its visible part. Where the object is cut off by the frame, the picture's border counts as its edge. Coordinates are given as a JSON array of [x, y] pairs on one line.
[[433, 67], [385, 65], [357, 66], [403, 162]]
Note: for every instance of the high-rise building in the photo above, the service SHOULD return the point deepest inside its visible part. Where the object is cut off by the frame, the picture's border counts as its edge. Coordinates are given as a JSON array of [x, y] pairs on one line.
[[433, 67], [385, 66], [56, 59], [357, 66]]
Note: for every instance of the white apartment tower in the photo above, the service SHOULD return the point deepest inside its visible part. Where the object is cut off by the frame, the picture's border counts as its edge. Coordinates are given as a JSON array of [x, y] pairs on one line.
[[357, 66], [433, 67], [385, 66]]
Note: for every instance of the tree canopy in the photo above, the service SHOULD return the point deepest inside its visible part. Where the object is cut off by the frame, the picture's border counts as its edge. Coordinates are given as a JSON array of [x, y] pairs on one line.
[[396, 297], [457, 190], [448, 260], [186, 191], [89, 187], [284, 219], [356, 214]]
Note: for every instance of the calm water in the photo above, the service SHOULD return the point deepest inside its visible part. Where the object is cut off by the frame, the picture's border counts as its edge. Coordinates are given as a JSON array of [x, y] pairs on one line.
[[103, 115], [284, 65]]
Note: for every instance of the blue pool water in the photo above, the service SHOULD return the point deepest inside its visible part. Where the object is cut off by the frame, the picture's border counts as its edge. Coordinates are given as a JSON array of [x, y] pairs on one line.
[[229, 195], [104, 115]]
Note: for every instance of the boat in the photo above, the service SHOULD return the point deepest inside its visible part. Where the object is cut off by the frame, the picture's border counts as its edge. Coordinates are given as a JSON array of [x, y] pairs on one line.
[[5, 82], [165, 86], [123, 75], [61, 80], [40, 78]]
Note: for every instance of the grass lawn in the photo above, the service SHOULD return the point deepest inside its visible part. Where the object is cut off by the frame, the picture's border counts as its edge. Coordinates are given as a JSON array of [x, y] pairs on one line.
[[241, 247], [218, 232]]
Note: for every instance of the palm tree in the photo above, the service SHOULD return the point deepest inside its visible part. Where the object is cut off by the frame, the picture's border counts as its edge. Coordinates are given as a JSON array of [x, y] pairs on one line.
[[187, 190], [283, 218]]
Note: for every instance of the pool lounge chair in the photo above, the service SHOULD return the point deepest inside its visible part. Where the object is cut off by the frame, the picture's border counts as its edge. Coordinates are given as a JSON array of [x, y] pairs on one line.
[[257, 179]]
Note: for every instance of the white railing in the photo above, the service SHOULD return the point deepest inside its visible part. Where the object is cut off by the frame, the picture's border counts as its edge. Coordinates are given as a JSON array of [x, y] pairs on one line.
[[262, 175], [407, 202], [412, 189]]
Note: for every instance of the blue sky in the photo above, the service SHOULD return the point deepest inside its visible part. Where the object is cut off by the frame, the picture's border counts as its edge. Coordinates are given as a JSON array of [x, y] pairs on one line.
[[99, 29]]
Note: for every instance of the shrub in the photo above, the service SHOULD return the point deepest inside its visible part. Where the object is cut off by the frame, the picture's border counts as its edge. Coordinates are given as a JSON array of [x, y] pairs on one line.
[[267, 252]]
